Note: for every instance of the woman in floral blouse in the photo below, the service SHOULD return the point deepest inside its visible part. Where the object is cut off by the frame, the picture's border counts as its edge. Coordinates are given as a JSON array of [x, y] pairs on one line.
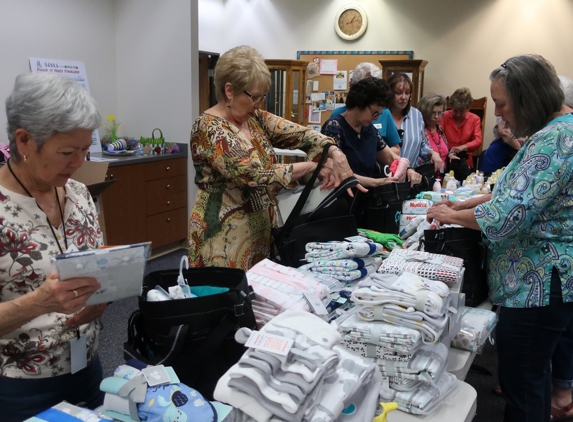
[[237, 172], [529, 224], [42, 213]]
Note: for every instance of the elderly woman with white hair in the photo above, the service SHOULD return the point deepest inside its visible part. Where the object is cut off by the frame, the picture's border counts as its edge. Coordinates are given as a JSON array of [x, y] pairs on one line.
[[45, 327], [384, 122]]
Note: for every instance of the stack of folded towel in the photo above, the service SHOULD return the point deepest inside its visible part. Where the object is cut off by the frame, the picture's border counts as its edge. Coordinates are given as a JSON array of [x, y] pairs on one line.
[[437, 267], [278, 288], [407, 300], [315, 381], [345, 261]]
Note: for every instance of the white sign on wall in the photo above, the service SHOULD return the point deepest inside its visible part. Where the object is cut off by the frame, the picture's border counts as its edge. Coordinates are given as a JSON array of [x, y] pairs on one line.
[[72, 70]]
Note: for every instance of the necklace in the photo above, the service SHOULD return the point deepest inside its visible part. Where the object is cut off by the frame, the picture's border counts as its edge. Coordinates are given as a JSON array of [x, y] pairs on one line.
[[436, 138], [47, 219]]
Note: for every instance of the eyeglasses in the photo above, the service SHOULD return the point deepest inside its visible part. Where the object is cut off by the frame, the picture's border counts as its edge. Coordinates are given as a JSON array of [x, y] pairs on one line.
[[256, 98], [375, 114], [437, 113]]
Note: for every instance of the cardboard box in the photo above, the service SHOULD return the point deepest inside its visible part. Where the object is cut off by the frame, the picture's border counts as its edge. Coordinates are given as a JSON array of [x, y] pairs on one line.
[[92, 174]]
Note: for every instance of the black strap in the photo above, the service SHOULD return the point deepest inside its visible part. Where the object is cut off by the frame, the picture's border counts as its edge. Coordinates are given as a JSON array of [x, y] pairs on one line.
[[349, 182], [291, 220]]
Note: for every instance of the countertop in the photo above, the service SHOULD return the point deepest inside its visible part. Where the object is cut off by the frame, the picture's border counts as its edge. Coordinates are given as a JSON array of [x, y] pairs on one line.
[[137, 159]]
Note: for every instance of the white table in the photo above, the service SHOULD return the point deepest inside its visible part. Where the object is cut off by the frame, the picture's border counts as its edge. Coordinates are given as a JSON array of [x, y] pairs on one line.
[[463, 409]]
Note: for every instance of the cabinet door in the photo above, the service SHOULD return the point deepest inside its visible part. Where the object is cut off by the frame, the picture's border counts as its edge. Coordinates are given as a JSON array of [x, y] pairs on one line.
[[167, 227], [124, 205]]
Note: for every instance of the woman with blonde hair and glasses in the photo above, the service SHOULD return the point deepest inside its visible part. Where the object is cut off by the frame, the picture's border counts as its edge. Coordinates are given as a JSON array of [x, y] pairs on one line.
[[237, 171]]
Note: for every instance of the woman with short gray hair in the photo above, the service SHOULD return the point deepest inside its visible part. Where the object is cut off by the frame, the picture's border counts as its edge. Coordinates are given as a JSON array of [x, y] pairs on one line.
[[44, 213]]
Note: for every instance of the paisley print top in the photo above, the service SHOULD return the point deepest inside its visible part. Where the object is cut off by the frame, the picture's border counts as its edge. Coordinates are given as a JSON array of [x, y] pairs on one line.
[[529, 220], [41, 347], [238, 179]]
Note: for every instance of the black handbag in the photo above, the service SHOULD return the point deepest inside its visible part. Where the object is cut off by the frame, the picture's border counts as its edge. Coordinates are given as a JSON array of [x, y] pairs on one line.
[[466, 244], [383, 207], [428, 178], [460, 167], [331, 220], [196, 336]]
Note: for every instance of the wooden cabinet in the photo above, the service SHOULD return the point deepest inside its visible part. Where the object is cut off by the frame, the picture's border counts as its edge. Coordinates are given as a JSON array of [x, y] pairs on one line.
[[286, 97], [148, 202], [415, 69]]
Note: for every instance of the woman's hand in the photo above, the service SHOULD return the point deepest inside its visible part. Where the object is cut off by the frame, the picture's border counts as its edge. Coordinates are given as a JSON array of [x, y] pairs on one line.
[[441, 213], [414, 177], [342, 170], [88, 314], [438, 163], [457, 150], [326, 175], [384, 181], [67, 296], [456, 206]]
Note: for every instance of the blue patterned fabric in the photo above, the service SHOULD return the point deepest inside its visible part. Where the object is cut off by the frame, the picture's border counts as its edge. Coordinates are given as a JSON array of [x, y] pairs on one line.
[[415, 145], [529, 220], [384, 124]]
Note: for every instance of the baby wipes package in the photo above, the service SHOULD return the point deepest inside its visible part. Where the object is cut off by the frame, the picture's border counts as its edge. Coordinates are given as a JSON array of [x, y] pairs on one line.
[[416, 206]]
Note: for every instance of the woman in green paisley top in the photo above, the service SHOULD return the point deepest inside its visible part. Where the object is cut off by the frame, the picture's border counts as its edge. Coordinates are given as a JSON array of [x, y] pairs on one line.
[[237, 172], [528, 222]]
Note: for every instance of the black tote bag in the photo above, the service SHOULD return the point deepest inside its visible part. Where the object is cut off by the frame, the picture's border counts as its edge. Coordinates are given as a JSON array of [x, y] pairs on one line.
[[383, 207], [428, 178], [331, 220], [466, 244], [196, 336]]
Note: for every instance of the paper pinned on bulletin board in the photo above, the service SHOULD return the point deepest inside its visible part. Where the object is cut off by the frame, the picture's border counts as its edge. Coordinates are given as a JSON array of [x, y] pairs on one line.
[[328, 66], [340, 81], [73, 70]]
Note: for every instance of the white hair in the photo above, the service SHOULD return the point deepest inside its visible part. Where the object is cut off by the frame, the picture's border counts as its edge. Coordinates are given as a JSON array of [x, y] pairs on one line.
[[45, 104], [365, 70], [567, 87]]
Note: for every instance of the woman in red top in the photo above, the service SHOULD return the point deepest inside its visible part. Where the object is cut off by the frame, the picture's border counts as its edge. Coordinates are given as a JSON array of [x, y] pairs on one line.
[[432, 107], [462, 128]]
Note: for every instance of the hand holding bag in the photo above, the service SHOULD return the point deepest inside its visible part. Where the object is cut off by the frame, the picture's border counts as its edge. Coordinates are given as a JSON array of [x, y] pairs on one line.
[[331, 220], [194, 335]]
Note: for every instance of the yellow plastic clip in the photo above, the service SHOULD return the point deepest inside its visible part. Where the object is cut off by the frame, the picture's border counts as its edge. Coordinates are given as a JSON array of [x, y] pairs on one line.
[[386, 408]]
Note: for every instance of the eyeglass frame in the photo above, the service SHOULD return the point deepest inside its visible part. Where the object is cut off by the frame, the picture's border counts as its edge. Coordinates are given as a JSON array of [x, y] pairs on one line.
[[256, 98], [438, 113], [375, 114]]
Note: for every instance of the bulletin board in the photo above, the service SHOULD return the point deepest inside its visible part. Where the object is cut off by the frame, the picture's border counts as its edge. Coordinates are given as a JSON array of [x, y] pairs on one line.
[[347, 61]]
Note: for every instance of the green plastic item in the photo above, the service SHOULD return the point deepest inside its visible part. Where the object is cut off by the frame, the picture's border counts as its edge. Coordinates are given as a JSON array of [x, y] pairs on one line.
[[389, 240]]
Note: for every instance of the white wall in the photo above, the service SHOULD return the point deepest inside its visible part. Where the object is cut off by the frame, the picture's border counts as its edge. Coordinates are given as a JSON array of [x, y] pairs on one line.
[[80, 30], [157, 81], [463, 40]]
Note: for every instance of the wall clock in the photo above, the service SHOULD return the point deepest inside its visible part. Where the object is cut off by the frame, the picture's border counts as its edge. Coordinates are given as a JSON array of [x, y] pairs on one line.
[[350, 22]]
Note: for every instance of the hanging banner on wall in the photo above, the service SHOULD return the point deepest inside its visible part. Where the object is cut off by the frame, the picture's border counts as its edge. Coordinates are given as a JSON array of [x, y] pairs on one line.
[[72, 70]]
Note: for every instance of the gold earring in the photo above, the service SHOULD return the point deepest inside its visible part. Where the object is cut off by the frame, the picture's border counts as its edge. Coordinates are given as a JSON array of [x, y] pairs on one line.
[[229, 103], [25, 158]]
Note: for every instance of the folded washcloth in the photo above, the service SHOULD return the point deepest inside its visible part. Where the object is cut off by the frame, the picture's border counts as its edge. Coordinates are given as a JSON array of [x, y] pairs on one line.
[[339, 250], [427, 364], [431, 328]]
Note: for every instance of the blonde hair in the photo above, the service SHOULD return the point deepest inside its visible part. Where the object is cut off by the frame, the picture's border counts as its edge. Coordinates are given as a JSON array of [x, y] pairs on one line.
[[461, 98], [243, 67]]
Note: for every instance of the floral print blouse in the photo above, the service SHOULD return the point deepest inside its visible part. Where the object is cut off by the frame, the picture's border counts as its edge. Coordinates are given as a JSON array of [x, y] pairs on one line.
[[41, 348], [529, 220], [238, 179]]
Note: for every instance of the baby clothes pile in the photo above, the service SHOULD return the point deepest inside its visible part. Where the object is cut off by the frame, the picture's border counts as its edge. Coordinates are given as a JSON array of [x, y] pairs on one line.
[[407, 300], [129, 398], [444, 268], [278, 288], [477, 324], [345, 261], [315, 381]]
